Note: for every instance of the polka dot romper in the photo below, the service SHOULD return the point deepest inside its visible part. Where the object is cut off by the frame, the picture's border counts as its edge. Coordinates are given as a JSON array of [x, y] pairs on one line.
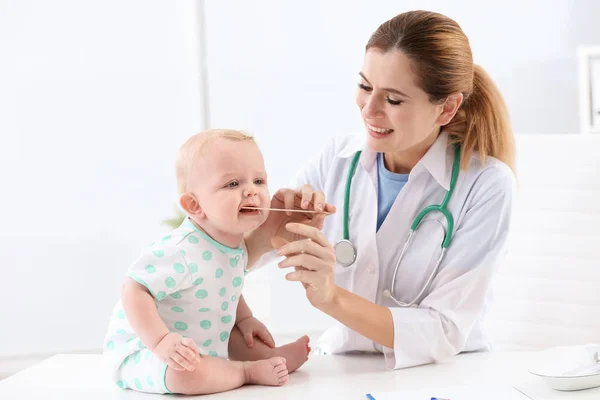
[[196, 283]]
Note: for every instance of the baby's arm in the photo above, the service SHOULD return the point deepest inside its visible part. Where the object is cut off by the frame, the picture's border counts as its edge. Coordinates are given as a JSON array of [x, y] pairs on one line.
[[250, 326], [243, 310], [141, 313], [171, 348]]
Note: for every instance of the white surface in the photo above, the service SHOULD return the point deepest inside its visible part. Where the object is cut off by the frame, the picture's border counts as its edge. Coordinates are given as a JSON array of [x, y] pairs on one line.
[[569, 367], [463, 392], [322, 377]]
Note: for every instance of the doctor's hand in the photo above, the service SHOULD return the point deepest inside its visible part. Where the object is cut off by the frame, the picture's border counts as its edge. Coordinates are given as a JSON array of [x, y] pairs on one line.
[[313, 259], [304, 198]]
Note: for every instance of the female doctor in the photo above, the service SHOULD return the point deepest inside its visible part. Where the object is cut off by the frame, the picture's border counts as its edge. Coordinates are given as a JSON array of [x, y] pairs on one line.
[[437, 133]]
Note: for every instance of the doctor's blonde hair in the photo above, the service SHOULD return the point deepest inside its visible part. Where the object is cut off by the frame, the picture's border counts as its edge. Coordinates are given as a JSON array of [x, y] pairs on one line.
[[191, 151], [441, 58]]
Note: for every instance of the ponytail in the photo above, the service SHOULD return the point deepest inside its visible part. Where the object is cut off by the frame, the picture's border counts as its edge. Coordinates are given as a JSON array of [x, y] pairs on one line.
[[482, 123]]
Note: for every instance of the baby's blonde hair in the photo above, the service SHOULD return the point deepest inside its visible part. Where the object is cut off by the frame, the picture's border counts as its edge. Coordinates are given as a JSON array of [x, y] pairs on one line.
[[191, 150]]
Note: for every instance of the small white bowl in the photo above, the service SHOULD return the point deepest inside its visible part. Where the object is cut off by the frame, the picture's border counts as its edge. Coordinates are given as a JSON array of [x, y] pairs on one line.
[[556, 366]]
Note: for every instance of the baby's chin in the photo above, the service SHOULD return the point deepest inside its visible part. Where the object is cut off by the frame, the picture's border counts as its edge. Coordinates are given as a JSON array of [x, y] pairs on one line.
[[248, 223]]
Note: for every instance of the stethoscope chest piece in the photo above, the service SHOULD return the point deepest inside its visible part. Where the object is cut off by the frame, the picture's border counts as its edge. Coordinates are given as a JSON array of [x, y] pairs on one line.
[[345, 253]]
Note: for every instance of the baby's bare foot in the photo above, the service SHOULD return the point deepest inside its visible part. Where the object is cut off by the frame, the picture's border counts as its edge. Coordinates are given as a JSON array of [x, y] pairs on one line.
[[295, 353], [272, 372]]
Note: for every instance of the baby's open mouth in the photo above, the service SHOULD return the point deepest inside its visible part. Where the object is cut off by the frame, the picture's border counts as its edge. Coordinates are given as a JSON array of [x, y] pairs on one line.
[[249, 209]]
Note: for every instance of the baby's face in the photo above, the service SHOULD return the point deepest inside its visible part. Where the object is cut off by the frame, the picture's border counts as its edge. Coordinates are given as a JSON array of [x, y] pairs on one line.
[[231, 175]]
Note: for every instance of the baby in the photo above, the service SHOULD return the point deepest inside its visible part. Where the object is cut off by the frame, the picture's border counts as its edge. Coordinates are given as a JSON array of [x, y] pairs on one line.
[[170, 332]]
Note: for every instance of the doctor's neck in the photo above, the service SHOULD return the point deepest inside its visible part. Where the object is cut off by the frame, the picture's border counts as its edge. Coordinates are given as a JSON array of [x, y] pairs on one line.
[[403, 161]]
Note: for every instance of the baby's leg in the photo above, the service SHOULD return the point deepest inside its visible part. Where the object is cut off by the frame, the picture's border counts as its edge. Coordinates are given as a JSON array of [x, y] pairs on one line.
[[214, 375], [295, 353]]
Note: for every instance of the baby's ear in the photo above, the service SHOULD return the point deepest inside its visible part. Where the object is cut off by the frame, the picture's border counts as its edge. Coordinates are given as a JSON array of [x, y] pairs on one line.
[[188, 202]]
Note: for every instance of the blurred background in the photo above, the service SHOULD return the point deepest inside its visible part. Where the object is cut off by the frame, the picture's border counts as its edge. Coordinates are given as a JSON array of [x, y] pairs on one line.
[[97, 96]]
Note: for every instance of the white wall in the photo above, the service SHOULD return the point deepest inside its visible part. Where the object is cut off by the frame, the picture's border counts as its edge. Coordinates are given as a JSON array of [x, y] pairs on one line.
[[287, 71], [95, 99]]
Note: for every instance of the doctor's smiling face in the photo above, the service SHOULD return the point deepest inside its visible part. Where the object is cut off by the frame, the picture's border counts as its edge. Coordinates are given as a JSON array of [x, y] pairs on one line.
[[400, 119]]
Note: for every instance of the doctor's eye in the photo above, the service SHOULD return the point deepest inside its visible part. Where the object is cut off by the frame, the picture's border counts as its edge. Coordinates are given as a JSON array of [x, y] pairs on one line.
[[364, 87], [233, 184], [394, 102]]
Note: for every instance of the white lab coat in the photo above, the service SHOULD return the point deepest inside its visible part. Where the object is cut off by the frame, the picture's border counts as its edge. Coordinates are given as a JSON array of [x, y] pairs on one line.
[[449, 316]]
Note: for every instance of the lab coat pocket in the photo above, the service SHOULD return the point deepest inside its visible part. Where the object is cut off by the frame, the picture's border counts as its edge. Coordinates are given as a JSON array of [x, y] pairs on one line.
[[418, 262]]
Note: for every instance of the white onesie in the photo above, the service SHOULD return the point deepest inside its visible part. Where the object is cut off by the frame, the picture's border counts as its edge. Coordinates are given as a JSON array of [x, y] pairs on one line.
[[196, 283]]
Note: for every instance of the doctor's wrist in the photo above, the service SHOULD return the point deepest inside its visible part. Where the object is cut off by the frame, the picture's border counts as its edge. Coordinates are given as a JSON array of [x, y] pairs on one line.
[[333, 302]]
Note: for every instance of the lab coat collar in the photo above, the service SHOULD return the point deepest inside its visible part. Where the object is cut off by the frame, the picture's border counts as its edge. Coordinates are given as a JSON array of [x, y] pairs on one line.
[[438, 160]]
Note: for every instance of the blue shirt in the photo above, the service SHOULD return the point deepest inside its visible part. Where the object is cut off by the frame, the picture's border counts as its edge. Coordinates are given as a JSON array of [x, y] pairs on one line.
[[389, 185]]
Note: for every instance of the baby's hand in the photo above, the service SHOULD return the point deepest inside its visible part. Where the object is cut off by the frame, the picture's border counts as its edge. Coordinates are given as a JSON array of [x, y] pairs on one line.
[[177, 352], [251, 327]]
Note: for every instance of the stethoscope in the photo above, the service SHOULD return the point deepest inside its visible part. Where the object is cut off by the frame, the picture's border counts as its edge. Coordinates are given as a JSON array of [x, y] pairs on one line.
[[345, 251]]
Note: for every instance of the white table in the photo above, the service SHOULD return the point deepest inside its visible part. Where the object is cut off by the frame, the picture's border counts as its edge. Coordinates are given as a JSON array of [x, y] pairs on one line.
[[70, 377]]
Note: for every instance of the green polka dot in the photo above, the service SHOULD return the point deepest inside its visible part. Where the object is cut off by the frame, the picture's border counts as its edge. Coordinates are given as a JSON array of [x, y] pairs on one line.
[[222, 291], [224, 306], [192, 239], [110, 345], [237, 281], [198, 281], [121, 332], [170, 282], [150, 269], [168, 237], [204, 310], [226, 319], [136, 357], [161, 295], [150, 381], [175, 295], [181, 326], [206, 324], [141, 345], [213, 354], [193, 268], [121, 314], [126, 360], [120, 384], [233, 298], [159, 253], [138, 384], [148, 355], [177, 309], [182, 251], [224, 336], [207, 255], [201, 294], [125, 383], [207, 343], [233, 262], [219, 273], [179, 268]]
